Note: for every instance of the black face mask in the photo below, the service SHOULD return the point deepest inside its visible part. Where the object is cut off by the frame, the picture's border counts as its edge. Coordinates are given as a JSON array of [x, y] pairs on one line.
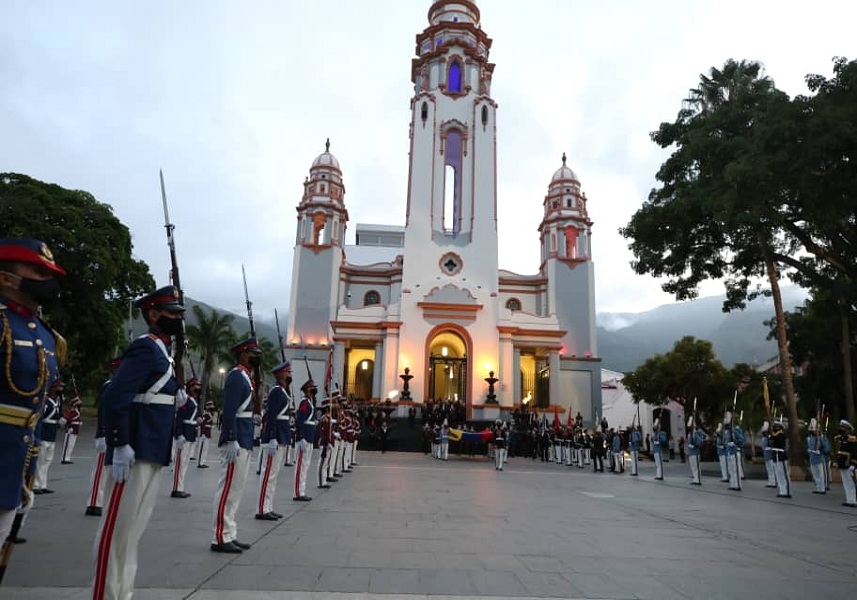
[[288, 381], [169, 326], [42, 291], [255, 361], [313, 391]]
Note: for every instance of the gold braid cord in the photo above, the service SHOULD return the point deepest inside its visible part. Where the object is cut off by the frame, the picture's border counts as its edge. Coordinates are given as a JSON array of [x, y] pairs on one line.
[[41, 380]]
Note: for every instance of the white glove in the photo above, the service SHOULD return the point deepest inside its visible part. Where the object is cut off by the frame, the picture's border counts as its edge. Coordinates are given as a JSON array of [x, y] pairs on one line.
[[123, 460], [100, 444], [273, 445], [337, 435], [62, 422], [231, 452], [180, 442], [257, 419], [181, 398]]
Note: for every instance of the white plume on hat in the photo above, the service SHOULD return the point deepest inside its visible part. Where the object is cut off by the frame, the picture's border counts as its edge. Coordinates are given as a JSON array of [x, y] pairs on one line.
[[727, 418], [690, 421], [844, 423], [765, 427], [813, 425], [657, 423]]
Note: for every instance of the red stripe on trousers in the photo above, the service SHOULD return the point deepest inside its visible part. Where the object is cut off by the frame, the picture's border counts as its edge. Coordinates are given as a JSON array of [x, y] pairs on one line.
[[176, 469], [96, 480], [264, 489], [106, 540], [298, 470], [221, 506]]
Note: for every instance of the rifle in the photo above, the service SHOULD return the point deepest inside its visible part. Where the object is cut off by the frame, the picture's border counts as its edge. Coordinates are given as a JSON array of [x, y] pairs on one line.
[[767, 398], [180, 347], [26, 493], [279, 336], [257, 371]]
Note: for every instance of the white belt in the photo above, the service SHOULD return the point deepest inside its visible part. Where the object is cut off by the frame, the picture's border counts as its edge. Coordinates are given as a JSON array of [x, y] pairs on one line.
[[283, 418], [155, 399], [50, 421], [244, 415], [189, 422]]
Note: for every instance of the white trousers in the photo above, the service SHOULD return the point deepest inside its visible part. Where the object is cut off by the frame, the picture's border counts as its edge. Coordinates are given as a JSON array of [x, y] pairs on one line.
[[7, 517], [202, 450], [818, 476], [732, 470], [587, 456], [324, 456], [68, 445], [46, 457], [337, 457], [180, 460], [781, 467], [287, 460], [354, 452], [740, 456], [190, 450], [635, 459], [99, 477], [693, 461], [659, 465], [848, 485], [302, 463], [724, 467], [618, 461], [230, 488], [268, 479], [444, 450], [772, 474], [129, 507], [499, 458], [581, 457]]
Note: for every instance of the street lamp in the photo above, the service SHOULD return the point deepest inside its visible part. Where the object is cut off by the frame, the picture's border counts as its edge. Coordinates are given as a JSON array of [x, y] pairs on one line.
[[222, 373]]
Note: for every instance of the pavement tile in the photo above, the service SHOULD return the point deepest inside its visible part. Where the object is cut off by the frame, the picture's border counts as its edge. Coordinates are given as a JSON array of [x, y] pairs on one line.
[[344, 579]]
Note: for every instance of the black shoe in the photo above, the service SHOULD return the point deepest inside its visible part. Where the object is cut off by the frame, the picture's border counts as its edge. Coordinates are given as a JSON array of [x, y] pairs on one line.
[[354, 464], [176, 494], [695, 483], [241, 545], [47, 491], [784, 495], [324, 487], [727, 481], [659, 478], [849, 504], [734, 489], [276, 514], [817, 492], [634, 474], [288, 464], [770, 486], [38, 492], [331, 480], [201, 466], [192, 458], [266, 517], [67, 462], [16, 540], [227, 548], [302, 498], [93, 511], [349, 470]]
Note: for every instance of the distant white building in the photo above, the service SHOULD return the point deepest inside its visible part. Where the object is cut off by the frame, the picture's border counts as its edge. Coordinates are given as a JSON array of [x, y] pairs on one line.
[[621, 411], [429, 296]]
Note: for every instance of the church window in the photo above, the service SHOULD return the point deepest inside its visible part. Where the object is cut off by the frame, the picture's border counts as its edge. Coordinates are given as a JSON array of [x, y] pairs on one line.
[[452, 182], [424, 111], [371, 297], [568, 203], [439, 42], [513, 304], [484, 115], [453, 83], [571, 234]]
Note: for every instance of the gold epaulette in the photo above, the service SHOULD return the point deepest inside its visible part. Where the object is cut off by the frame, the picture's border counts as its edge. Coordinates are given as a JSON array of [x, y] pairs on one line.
[[61, 346]]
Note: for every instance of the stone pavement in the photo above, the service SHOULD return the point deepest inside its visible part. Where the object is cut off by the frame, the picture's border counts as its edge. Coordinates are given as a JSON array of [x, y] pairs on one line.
[[407, 526]]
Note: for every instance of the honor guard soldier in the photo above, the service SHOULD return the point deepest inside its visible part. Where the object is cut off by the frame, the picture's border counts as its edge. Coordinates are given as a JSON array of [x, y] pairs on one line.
[[740, 442], [337, 410], [325, 444], [781, 461], [818, 447], [722, 454], [768, 455], [598, 451], [275, 438], [636, 439], [499, 445], [355, 434], [29, 351], [846, 461], [305, 438], [96, 492], [659, 443], [52, 420], [138, 406], [618, 457], [729, 441], [184, 435], [206, 422], [236, 445], [73, 421], [695, 439]]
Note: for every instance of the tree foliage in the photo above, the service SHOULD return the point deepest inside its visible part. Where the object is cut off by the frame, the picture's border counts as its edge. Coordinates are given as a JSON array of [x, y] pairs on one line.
[[210, 337], [95, 248]]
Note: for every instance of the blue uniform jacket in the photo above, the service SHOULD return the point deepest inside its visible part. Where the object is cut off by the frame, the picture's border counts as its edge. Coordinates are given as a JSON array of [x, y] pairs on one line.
[[659, 442], [276, 424], [100, 427], [304, 422], [767, 453], [636, 440], [237, 424], [50, 420], [186, 420], [823, 449], [136, 405], [694, 442], [729, 442], [30, 339]]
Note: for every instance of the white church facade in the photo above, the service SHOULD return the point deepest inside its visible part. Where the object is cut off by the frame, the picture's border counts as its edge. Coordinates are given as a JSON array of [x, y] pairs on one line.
[[429, 296]]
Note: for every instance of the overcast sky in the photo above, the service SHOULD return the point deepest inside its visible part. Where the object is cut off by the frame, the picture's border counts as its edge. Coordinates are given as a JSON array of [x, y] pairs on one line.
[[233, 100]]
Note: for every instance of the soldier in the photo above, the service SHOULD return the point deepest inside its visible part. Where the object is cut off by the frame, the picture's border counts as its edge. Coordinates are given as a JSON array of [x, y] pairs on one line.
[[846, 461], [73, 421], [731, 445], [184, 434], [50, 424], [206, 422], [305, 424], [355, 434], [236, 445], [499, 445], [695, 439], [138, 407], [740, 442], [444, 440], [781, 461], [818, 447], [325, 444], [276, 436], [768, 455], [635, 440], [598, 451], [659, 443], [618, 457], [96, 493], [722, 454], [28, 353]]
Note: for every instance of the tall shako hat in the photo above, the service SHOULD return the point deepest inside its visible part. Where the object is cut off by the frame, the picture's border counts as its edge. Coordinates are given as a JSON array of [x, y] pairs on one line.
[[248, 345], [281, 367], [309, 383], [165, 298], [28, 250]]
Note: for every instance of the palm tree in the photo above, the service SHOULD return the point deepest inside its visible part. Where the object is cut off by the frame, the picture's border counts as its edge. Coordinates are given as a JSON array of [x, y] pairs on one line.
[[211, 336]]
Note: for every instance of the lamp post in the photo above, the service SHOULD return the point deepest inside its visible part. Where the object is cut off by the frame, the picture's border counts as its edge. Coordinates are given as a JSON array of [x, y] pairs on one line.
[[491, 380], [406, 378]]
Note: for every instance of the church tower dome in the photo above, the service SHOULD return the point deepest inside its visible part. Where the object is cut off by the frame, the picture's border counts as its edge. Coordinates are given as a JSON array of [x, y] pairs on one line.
[[455, 11], [321, 213], [565, 227]]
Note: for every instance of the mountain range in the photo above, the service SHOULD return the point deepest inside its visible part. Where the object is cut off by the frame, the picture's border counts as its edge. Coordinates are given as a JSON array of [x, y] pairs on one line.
[[626, 340]]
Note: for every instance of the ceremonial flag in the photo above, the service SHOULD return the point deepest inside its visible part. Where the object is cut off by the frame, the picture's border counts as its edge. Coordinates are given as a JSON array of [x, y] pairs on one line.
[[458, 435], [556, 418]]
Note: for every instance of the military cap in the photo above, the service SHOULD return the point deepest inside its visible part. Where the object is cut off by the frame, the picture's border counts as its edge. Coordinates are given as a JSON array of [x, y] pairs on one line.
[[57, 383], [844, 423], [114, 363], [166, 298], [248, 345], [193, 381], [308, 384], [28, 250], [280, 367]]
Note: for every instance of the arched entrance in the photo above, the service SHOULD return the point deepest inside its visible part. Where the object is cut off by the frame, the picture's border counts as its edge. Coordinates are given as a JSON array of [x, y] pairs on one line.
[[364, 372], [447, 367]]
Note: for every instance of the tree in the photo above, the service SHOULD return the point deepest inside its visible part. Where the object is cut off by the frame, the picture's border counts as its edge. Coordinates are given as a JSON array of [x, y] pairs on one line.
[[94, 247], [717, 214], [210, 337]]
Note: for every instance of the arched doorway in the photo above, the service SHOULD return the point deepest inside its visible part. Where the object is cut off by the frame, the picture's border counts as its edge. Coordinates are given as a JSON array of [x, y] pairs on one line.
[[665, 415], [447, 368], [364, 373]]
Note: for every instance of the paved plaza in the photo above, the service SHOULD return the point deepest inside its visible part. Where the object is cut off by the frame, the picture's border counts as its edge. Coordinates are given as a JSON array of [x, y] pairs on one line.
[[408, 526]]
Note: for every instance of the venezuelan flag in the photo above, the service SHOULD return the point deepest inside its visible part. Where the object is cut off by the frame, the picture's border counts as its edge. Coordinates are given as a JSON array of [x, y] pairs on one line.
[[458, 435]]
